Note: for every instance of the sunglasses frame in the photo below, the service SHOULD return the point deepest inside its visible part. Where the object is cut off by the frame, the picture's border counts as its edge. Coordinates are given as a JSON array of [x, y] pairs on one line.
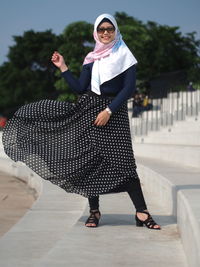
[[108, 29]]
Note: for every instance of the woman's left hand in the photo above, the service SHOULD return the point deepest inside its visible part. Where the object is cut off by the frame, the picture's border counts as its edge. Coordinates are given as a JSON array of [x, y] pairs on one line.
[[102, 118]]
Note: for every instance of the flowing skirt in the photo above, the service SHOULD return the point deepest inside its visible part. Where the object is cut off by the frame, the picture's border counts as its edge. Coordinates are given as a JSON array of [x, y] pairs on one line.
[[59, 141]]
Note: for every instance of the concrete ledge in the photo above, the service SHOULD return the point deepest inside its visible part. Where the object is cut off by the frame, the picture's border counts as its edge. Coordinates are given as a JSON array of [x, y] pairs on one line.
[[22, 172], [159, 186], [180, 196], [171, 136], [181, 154], [189, 224]]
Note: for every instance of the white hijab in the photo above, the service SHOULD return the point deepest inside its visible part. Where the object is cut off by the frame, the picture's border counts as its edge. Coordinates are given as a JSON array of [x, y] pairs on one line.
[[109, 59]]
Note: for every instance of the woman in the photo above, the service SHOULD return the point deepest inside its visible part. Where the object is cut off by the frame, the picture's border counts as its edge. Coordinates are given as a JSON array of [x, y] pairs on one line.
[[86, 148]]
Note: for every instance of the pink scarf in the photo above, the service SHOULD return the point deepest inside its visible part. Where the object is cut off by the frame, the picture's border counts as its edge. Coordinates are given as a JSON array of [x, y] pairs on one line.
[[109, 59], [102, 50]]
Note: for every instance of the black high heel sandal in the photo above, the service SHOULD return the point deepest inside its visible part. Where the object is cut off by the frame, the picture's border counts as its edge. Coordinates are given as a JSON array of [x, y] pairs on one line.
[[149, 222], [93, 219]]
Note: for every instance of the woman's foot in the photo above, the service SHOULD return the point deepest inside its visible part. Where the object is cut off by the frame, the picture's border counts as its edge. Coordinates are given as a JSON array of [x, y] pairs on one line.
[[144, 218], [93, 219]]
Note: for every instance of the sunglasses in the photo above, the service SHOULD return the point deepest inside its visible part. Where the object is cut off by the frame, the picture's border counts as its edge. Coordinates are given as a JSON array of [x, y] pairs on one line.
[[109, 30]]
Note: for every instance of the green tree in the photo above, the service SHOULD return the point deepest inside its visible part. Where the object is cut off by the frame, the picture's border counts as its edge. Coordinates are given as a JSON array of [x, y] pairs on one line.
[[77, 43], [168, 50], [160, 48], [29, 74]]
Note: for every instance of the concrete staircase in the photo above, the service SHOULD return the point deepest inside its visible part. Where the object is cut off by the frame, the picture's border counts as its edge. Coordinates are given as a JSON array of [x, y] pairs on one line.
[[169, 164], [178, 144], [52, 232]]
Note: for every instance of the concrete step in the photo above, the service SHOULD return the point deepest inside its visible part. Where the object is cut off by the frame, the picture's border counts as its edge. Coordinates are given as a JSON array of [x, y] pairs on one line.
[[170, 137], [183, 132], [184, 155], [177, 187]]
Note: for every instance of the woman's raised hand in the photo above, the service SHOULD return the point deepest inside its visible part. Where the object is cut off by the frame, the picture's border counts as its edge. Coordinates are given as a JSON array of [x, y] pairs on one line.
[[59, 61]]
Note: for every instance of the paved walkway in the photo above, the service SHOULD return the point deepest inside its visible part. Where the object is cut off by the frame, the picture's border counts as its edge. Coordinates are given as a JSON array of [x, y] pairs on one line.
[[117, 241], [49, 237], [15, 199]]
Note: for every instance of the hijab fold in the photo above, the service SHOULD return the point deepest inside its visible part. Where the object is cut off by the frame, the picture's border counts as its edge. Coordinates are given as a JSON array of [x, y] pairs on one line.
[[111, 59]]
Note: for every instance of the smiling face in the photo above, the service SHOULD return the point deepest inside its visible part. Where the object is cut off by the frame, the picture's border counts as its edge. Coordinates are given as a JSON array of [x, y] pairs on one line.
[[106, 32]]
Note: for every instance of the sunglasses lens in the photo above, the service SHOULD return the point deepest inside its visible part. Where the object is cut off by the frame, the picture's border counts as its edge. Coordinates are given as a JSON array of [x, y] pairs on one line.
[[100, 30], [111, 29]]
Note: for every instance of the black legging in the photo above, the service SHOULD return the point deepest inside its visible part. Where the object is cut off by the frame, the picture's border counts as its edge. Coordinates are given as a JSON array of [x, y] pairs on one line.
[[135, 193]]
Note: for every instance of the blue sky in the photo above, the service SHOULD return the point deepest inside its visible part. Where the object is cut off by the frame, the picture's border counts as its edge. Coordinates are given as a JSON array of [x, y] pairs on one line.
[[17, 16]]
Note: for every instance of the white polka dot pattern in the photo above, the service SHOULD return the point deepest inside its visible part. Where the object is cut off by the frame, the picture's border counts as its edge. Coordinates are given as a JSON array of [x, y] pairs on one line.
[[59, 141]]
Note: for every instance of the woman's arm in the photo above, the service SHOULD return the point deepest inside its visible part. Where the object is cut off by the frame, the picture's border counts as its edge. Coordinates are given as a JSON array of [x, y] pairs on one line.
[[127, 91], [78, 85]]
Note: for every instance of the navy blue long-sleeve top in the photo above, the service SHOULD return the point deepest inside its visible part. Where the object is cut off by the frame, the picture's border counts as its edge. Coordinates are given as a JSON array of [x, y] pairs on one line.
[[121, 87]]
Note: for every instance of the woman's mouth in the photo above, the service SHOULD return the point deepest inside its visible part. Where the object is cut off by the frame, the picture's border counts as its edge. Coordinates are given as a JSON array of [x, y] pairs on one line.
[[106, 37]]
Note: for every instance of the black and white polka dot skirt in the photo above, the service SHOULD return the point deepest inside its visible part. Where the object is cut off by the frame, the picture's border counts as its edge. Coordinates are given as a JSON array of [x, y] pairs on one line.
[[59, 141]]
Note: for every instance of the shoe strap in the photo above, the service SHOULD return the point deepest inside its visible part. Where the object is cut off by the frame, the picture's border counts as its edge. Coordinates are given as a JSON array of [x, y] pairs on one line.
[[94, 212]]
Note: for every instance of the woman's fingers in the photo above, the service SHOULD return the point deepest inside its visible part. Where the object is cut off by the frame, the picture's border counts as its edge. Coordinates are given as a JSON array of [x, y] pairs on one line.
[[59, 61], [100, 123], [55, 56], [56, 53], [101, 119]]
